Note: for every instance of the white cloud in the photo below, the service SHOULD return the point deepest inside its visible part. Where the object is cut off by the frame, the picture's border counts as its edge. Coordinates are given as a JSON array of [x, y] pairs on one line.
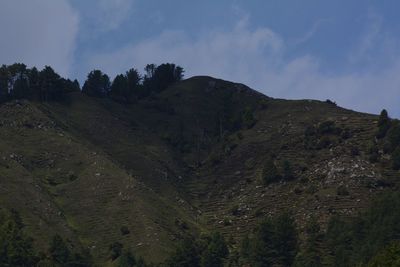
[[257, 58], [106, 15], [38, 32]]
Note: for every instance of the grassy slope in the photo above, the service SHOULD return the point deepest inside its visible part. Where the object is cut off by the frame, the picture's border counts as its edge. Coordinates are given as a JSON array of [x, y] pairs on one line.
[[88, 168]]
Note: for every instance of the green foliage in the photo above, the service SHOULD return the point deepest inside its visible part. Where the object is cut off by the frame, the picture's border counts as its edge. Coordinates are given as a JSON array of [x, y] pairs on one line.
[[310, 256], [16, 248], [275, 242], [127, 259], [393, 134], [115, 250], [388, 256], [208, 251], [270, 172], [373, 152], [186, 255], [215, 252], [396, 159], [328, 127], [59, 251], [248, 119], [355, 242]]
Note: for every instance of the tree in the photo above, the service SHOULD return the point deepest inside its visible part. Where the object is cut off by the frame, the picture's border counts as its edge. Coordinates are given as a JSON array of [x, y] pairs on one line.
[[186, 255], [396, 158], [34, 84], [20, 88], [119, 88], [126, 259], [248, 119], [97, 84], [4, 76], [59, 251], [158, 78], [274, 243], [15, 247], [310, 255], [388, 256], [393, 134], [215, 252], [134, 87], [115, 250], [49, 85], [383, 124]]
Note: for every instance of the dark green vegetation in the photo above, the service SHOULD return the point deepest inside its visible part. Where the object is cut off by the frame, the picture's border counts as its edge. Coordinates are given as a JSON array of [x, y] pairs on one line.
[[123, 173]]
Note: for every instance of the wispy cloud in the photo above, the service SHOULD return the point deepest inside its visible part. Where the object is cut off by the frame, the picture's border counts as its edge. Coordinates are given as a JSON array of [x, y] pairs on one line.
[[102, 16], [311, 32], [38, 32], [370, 40]]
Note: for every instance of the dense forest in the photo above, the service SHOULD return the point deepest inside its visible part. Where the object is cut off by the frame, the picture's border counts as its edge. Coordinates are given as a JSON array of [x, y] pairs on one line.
[[17, 81]]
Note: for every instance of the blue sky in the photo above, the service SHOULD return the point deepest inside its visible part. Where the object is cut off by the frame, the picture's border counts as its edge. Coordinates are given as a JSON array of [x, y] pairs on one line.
[[344, 50]]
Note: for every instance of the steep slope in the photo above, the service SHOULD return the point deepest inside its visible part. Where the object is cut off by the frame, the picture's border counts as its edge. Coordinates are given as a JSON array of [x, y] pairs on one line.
[[61, 183], [187, 160]]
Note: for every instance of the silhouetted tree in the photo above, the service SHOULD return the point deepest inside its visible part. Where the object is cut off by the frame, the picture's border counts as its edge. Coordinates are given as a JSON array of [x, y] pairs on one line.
[[49, 85], [383, 124], [134, 87], [97, 84], [158, 78], [119, 88], [4, 76]]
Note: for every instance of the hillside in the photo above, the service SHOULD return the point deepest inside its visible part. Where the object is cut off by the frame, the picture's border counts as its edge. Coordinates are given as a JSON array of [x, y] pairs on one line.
[[187, 160]]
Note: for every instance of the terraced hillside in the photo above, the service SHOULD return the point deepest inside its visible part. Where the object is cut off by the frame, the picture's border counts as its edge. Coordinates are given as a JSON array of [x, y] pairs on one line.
[[187, 160]]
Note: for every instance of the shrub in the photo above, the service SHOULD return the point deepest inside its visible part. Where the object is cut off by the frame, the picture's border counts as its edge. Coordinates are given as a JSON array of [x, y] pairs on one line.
[[270, 173], [324, 142], [248, 119], [115, 250], [396, 159], [235, 210], [342, 191], [328, 127], [354, 151], [330, 102], [124, 230], [393, 134], [287, 171]]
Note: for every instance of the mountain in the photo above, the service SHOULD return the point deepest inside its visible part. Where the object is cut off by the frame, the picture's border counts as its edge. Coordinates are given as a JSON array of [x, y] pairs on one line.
[[188, 160]]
